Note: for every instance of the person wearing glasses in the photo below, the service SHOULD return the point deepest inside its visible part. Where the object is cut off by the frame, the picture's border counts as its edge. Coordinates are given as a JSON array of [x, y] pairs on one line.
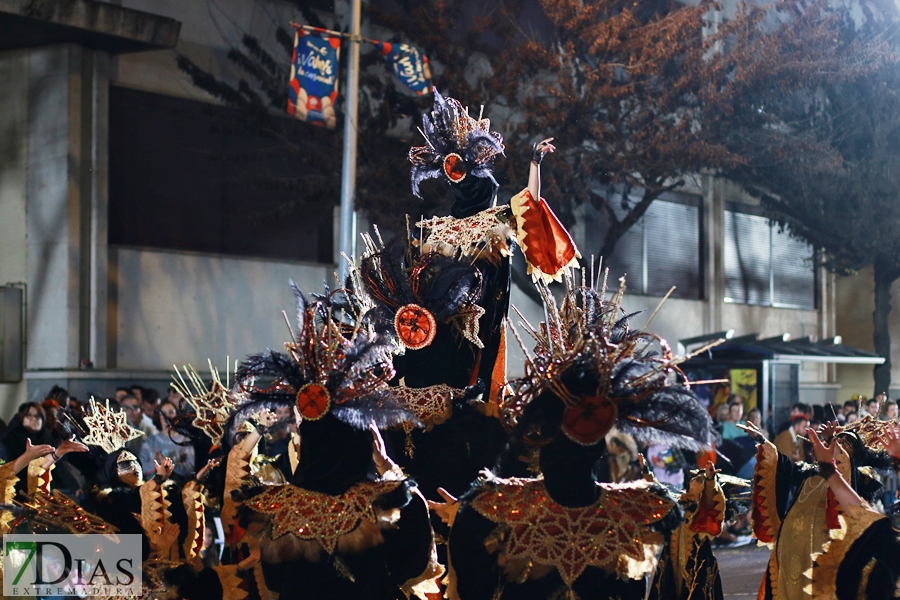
[[131, 406], [27, 425], [26, 432]]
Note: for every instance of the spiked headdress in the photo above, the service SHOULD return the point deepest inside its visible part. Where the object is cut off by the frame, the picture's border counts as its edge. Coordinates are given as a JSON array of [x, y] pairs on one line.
[[108, 429], [212, 405], [412, 292], [456, 145], [606, 374], [325, 370]]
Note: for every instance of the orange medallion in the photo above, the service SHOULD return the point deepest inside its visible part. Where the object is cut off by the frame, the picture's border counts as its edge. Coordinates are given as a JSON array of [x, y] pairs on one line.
[[454, 167], [313, 401], [415, 326], [588, 421]]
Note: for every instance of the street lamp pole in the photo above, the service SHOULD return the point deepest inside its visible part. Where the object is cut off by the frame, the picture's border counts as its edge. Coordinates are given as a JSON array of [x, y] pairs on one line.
[[347, 229]]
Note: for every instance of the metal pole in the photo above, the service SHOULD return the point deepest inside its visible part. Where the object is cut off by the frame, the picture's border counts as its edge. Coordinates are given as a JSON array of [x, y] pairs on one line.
[[347, 239]]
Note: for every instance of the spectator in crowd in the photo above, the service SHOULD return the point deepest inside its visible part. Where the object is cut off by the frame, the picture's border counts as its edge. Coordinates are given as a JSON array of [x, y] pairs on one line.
[[871, 406], [121, 393], [755, 417], [28, 428], [137, 419], [797, 410], [137, 391], [849, 407], [888, 411], [51, 412], [730, 429], [787, 442], [852, 417], [174, 396], [28, 424], [723, 413], [168, 443], [149, 400]]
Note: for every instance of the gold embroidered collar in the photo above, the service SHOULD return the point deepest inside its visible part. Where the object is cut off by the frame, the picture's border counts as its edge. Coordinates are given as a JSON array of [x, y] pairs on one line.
[[316, 516], [616, 527]]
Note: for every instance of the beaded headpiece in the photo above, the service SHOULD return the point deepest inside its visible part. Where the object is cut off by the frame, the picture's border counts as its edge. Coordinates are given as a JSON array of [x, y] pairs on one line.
[[108, 429], [606, 374], [457, 145], [126, 456], [325, 369], [212, 405]]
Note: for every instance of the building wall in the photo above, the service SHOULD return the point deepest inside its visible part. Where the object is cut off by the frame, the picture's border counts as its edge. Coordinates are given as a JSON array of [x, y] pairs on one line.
[[854, 305], [13, 182], [184, 308]]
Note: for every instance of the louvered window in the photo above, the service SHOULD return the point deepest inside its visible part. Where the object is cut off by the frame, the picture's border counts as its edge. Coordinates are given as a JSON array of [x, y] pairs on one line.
[[662, 249], [764, 265]]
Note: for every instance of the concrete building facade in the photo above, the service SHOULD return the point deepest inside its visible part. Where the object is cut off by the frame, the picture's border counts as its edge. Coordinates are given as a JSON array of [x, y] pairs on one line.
[[101, 315]]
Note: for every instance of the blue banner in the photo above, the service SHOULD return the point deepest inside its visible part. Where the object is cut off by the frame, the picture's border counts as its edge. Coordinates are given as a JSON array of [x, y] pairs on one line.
[[312, 91], [409, 65]]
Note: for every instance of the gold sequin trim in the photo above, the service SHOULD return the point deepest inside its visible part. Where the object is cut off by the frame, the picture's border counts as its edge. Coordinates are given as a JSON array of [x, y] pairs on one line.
[[613, 534], [315, 516]]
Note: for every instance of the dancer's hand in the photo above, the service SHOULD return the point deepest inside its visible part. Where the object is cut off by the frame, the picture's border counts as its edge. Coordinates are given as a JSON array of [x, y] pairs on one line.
[[70, 445], [824, 453], [266, 418], [33, 452], [446, 510], [753, 431], [890, 439], [209, 466], [166, 536], [383, 462], [540, 149], [827, 430], [164, 469], [250, 561]]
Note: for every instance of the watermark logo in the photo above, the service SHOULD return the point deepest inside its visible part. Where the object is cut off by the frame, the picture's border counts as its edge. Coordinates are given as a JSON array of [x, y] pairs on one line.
[[71, 565]]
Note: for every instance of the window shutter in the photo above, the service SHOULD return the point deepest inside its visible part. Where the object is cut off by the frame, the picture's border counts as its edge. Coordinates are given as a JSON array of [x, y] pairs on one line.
[[747, 258], [793, 276], [628, 258], [673, 250]]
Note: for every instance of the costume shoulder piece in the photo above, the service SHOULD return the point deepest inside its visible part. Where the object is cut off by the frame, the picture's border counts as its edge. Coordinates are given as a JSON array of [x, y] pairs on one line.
[[614, 534], [320, 517]]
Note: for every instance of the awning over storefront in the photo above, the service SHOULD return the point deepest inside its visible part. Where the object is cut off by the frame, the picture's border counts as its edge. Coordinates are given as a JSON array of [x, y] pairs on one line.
[[783, 348]]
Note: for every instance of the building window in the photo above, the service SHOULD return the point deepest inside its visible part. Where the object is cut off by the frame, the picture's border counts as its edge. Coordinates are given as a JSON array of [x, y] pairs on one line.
[[662, 250], [186, 175], [764, 265]]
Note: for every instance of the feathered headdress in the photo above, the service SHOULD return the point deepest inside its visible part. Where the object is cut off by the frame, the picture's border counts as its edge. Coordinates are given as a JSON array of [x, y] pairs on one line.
[[457, 145], [212, 405], [412, 292], [109, 430], [325, 370], [606, 374]]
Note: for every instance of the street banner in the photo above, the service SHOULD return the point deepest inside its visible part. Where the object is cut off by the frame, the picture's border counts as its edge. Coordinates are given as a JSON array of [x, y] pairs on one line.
[[312, 90], [409, 65]]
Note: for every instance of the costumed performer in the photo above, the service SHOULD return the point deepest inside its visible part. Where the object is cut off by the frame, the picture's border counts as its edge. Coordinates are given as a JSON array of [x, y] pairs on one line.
[[862, 557], [568, 533], [793, 510], [337, 529]]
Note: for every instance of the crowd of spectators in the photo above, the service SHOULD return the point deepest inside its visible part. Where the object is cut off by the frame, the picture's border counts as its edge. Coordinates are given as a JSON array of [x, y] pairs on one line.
[[37, 427]]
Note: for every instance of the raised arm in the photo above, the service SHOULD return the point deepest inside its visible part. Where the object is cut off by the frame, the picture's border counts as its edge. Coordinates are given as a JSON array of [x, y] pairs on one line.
[[534, 169], [826, 455]]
